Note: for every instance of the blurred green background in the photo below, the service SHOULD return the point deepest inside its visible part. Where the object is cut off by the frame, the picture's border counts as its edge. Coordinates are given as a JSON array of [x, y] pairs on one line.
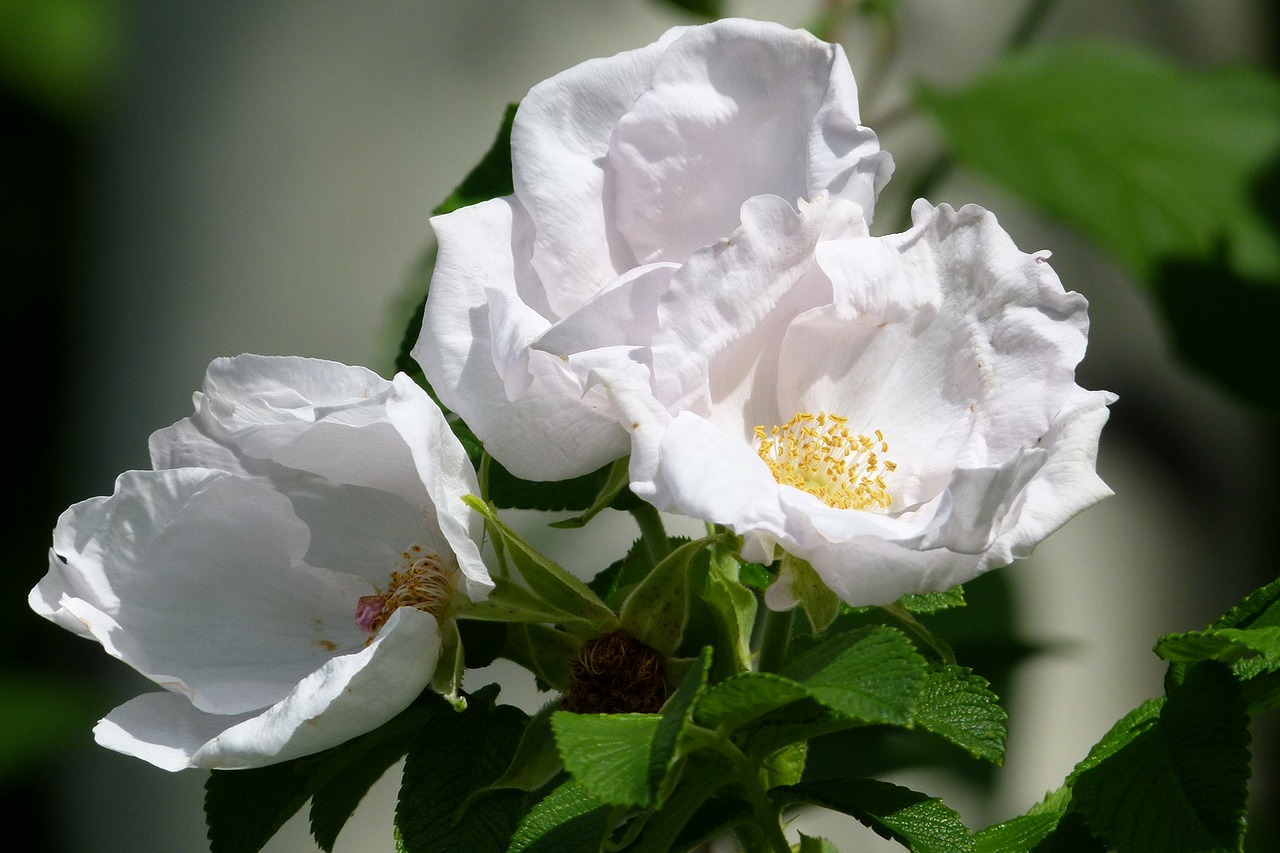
[[181, 181]]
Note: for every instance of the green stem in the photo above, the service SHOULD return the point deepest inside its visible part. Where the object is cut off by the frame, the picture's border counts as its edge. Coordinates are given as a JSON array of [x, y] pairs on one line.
[[775, 638], [652, 531], [764, 833]]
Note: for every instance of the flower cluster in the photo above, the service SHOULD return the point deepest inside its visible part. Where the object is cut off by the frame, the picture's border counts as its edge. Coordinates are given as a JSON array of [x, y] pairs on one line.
[[685, 275]]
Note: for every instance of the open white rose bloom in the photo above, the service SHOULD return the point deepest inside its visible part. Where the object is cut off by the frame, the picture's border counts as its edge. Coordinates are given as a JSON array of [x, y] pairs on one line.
[[285, 569], [686, 273]]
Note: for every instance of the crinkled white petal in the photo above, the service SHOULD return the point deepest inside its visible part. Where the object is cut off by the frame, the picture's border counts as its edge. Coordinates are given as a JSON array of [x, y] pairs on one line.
[[560, 136], [737, 109], [346, 696], [550, 432]]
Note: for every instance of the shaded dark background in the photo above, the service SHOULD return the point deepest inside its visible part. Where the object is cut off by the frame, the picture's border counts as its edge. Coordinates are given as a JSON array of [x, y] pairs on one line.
[[180, 181]]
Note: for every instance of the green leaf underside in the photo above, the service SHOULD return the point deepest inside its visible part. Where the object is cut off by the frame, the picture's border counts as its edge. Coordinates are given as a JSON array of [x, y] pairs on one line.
[[567, 820], [657, 609], [921, 822], [1148, 159], [453, 757], [1179, 783], [1222, 644]]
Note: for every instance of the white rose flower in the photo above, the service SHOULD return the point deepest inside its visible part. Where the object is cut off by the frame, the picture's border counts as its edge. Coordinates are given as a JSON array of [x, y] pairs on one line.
[[625, 168], [284, 570], [901, 412]]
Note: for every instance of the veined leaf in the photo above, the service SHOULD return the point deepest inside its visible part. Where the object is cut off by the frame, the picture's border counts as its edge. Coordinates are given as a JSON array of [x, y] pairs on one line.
[[568, 820], [960, 707]]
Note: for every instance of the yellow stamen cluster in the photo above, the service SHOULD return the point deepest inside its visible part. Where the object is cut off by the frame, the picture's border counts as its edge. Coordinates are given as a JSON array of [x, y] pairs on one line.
[[427, 583], [818, 454]]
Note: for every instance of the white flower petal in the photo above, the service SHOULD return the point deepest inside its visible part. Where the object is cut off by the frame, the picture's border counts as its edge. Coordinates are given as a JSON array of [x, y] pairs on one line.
[[737, 109], [346, 697]]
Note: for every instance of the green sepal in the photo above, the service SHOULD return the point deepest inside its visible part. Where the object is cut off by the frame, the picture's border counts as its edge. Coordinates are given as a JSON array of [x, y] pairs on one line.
[[821, 605], [733, 609], [657, 609], [544, 651], [548, 580]]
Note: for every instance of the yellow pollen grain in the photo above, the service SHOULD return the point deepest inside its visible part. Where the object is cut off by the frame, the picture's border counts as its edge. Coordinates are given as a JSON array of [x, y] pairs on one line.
[[820, 455]]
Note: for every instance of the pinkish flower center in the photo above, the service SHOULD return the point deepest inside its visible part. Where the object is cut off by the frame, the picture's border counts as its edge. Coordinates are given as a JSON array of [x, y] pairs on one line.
[[427, 583]]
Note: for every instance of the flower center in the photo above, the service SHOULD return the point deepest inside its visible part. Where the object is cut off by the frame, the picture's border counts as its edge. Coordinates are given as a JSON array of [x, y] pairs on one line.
[[818, 454], [427, 583]]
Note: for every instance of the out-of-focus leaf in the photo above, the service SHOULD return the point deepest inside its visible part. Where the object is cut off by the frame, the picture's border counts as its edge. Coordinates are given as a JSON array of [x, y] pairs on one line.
[[706, 9], [1150, 160]]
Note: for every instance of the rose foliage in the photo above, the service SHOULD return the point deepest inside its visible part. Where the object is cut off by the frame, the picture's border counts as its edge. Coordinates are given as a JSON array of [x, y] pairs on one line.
[[663, 282]]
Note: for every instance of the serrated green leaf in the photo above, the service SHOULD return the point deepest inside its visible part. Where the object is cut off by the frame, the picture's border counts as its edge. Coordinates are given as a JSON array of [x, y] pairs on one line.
[[960, 707], [245, 808], [1227, 645], [809, 844], [608, 754], [567, 820], [625, 759], [743, 697], [872, 674], [1179, 785], [458, 754], [1258, 609], [1148, 159], [923, 823], [1262, 692], [1121, 733]]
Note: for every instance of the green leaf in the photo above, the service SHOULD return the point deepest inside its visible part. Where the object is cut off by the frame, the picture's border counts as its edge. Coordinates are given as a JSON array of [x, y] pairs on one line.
[[1221, 644], [816, 845], [657, 609], [245, 808], [1150, 160], [921, 822], [743, 697], [544, 651], [625, 759], [668, 827], [491, 178], [871, 674], [458, 754], [567, 820], [536, 760], [1259, 609], [960, 707], [1179, 784], [608, 754]]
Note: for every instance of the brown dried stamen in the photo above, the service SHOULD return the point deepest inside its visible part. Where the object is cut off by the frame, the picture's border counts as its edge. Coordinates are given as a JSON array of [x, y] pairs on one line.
[[427, 583], [616, 674]]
